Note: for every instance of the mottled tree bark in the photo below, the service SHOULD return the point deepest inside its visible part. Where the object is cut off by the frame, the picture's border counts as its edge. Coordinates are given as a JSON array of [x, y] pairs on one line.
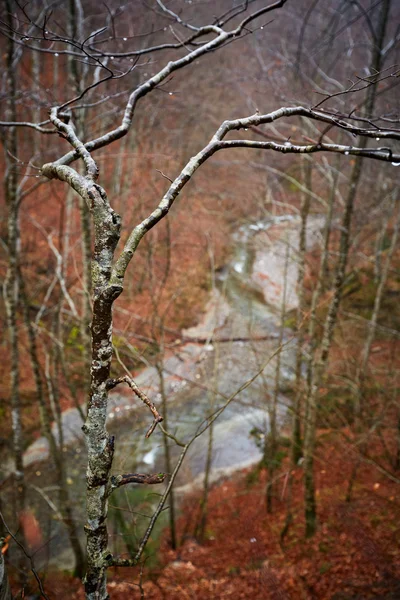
[[100, 443], [107, 226]]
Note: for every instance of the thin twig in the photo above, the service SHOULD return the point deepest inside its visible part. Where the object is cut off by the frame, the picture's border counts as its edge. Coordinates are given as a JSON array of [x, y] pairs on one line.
[[112, 383]]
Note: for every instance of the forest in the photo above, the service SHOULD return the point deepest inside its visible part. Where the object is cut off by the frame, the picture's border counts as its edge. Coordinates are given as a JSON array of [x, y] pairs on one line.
[[200, 275]]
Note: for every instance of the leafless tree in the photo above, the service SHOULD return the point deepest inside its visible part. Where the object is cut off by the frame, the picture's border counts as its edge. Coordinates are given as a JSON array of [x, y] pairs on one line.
[[110, 260]]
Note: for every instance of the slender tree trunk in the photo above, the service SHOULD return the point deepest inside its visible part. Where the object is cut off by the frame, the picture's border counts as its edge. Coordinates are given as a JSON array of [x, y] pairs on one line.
[[158, 331], [321, 358], [296, 441], [167, 455], [200, 530], [10, 286], [87, 290], [299, 390], [271, 443], [397, 461], [381, 235], [201, 525], [321, 361], [322, 278], [362, 372], [77, 73], [56, 450], [66, 236], [100, 443], [106, 287]]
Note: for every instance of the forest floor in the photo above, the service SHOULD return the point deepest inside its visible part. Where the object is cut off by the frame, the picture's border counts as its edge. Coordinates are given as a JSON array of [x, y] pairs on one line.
[[354, 555]]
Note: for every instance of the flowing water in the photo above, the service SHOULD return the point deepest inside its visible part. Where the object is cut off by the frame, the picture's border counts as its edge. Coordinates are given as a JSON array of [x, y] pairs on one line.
[[241, 332]]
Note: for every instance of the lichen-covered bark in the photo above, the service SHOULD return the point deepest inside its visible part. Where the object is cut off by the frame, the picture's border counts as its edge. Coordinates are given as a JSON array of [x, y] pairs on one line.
[[100, 444], [100, 449]]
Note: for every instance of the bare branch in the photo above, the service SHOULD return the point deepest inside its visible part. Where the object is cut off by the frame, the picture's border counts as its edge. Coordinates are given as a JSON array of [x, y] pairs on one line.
[[121, 562], [38, 127], [142, 90], [218, 143], [142, 478], [112, 383], [176, 17]]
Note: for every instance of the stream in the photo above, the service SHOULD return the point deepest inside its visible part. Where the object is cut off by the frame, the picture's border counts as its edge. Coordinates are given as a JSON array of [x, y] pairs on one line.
[[241, 332]]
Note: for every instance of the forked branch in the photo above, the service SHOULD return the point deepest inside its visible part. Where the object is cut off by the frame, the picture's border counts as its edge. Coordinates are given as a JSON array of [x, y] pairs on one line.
[[218, 142], [112, 383]]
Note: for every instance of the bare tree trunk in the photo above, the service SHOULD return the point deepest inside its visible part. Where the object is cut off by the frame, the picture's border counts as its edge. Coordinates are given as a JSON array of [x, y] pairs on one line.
[[201, 525], [296, 440], [380, 236], [320, 362], [10, 286], [158, 332], [321, 280], [321, 359], [167, 455], [397, 461], [271, 440], [200, 530], [56, 451], [65, 246], [107, 285], [87, 290], [77, 72], [299, 390], [362, 372]]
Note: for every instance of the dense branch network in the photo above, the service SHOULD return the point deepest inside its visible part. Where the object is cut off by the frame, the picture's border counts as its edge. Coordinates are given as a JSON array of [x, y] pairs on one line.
[[218, 143], [107, 273]]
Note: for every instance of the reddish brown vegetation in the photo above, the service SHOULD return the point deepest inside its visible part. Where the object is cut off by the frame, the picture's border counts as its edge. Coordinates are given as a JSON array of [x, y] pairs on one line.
[[354, 554]]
